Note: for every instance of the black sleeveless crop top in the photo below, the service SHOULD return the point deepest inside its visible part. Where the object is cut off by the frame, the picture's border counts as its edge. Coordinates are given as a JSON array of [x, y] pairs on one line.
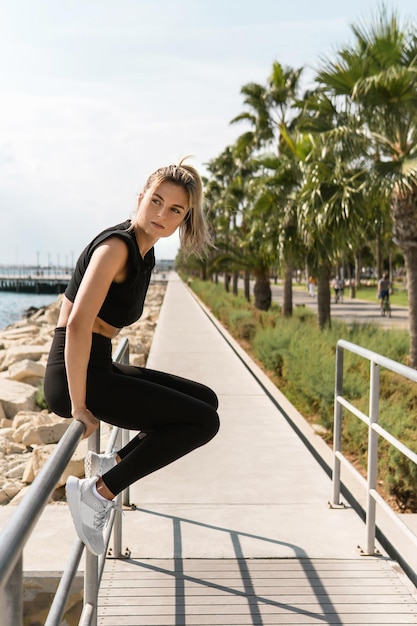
[[124, 301]]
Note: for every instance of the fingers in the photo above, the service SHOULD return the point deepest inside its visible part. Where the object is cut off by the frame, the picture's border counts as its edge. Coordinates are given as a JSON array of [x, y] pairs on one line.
[[90, 422]]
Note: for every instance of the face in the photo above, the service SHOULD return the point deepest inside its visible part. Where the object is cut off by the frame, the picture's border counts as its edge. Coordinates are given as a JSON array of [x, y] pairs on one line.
[[161, 210]]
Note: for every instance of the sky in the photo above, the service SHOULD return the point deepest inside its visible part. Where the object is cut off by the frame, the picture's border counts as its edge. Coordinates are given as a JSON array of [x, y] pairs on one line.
[[97, 94]]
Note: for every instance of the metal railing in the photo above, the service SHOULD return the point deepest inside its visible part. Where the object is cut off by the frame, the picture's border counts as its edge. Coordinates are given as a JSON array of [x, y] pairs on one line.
[[374, 431], [17, 531]]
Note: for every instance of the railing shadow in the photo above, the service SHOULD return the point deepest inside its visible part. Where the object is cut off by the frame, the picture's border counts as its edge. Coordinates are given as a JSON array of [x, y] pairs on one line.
[[247, 586]]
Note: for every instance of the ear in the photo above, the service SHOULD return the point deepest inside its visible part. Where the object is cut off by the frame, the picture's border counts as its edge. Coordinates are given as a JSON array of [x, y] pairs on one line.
[[140, 198]]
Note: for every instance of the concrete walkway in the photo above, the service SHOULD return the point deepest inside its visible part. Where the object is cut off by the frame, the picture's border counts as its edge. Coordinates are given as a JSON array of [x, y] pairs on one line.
[[255, 479]]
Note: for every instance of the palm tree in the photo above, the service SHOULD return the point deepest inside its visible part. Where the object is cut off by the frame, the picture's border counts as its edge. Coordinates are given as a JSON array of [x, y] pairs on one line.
[[377, 75], [269, 113], [332, 206]]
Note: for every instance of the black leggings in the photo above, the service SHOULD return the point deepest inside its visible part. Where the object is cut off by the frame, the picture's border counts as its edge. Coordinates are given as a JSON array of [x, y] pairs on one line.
[[176, 414]]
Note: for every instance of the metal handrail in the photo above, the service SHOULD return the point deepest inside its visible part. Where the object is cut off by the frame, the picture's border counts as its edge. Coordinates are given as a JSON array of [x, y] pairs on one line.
[[374, 431], [17, 531]]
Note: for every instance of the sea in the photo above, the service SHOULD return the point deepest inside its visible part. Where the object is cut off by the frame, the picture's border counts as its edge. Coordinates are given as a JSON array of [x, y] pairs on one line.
[[13, 305]]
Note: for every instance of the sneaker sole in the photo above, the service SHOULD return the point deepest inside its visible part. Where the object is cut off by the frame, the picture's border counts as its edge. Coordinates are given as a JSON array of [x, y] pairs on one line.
[[89, 466], [71, 490], [93, 466]]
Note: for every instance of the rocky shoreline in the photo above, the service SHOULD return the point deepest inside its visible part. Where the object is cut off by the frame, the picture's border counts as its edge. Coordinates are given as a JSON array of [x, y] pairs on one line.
[[29, 434]]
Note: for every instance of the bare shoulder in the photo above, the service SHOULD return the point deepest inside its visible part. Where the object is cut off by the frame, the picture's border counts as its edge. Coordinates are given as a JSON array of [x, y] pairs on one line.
[[113, 253]]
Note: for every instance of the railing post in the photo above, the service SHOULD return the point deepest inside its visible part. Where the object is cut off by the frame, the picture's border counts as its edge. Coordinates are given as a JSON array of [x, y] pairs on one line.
[[337, 434], [91, 582], [126, 492], [372, 456], [11, 596]]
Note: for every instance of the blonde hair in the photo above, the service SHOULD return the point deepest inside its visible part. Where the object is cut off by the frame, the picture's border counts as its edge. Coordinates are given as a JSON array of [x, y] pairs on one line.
[[193, 231]]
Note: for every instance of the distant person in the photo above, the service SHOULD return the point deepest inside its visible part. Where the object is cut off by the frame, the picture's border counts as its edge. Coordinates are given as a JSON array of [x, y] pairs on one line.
[[311, 286], [383, 289], [107, 292], [337, 288]]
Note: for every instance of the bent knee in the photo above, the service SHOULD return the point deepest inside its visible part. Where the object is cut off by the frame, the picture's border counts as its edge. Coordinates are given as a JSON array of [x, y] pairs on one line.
[[210, 427]]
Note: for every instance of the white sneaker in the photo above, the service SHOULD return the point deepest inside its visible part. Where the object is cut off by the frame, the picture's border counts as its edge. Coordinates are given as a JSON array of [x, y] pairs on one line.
[[98, 464], [89, 514]]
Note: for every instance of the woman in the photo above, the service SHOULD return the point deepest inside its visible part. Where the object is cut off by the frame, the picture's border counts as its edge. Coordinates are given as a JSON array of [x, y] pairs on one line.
[[106, 292]]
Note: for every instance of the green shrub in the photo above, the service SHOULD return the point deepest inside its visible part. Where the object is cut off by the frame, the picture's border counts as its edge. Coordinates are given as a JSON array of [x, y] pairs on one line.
[[242, 324], [40, 399]]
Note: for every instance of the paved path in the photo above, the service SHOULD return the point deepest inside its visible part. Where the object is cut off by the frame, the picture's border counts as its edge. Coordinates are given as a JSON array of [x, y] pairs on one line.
[[239, 531], [350, 310]]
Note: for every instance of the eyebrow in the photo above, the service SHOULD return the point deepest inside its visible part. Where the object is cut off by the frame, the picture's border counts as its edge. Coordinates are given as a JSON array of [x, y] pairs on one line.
[[178, 206]]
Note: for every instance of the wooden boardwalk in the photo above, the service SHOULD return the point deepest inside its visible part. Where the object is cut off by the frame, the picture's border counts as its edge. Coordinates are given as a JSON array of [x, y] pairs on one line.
[[253, 592]]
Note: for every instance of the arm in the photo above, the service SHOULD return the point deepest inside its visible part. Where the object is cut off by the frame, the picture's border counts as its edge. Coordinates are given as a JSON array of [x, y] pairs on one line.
[[108, 263]]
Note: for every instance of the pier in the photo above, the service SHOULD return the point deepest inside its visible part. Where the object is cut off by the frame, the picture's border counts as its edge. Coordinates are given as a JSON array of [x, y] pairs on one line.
[[34, 284]]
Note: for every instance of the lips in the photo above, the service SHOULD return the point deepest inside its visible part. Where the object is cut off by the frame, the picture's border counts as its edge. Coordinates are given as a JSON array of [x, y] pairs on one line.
[[157, 226]]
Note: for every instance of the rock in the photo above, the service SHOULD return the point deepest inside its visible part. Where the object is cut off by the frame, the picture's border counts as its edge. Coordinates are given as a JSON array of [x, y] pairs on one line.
[[26, 369], [45, 433], [52, 313], [138, 360], [32, 417], [8, 447], [20, 353], [2, 414], [16, 396], [4, 498], [16, 472], [39, 428], [8, 431], [42, 453], [18, 497]]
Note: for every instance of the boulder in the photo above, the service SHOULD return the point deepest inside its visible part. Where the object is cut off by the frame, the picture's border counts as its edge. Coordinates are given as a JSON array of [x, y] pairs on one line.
[[26, 369], [32, 417], [20, 353], [8, 446], [16, 396], [42, 453], [52, 313], [31, 428], [44, 433]]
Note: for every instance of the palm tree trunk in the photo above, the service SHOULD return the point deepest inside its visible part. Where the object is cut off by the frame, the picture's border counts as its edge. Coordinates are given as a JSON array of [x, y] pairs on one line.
[[246, 283], [235, 278], [404, 212], [323, 296], [262, 292], [357, 269], [227, 281], [410, 258], [287, 292]]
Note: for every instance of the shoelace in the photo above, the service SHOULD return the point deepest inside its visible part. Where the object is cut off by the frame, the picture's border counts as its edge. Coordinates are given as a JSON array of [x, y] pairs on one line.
[[101, 517]]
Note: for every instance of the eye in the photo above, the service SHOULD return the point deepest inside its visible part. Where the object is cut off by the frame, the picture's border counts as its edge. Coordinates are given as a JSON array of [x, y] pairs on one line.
[[175, 210], [156, 200]]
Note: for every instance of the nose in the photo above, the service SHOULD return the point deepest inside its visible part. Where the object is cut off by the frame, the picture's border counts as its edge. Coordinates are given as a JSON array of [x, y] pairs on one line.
[[162, 211]]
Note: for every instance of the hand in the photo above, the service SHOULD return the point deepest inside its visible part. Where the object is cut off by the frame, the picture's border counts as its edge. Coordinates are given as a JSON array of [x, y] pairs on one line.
[[87, 418]]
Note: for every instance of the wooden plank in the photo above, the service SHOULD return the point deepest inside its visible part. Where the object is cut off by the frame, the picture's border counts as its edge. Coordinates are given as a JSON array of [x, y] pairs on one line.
[[224, 593]]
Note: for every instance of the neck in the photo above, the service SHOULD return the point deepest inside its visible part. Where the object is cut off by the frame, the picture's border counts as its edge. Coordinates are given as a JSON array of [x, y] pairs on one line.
[[144, 242]]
